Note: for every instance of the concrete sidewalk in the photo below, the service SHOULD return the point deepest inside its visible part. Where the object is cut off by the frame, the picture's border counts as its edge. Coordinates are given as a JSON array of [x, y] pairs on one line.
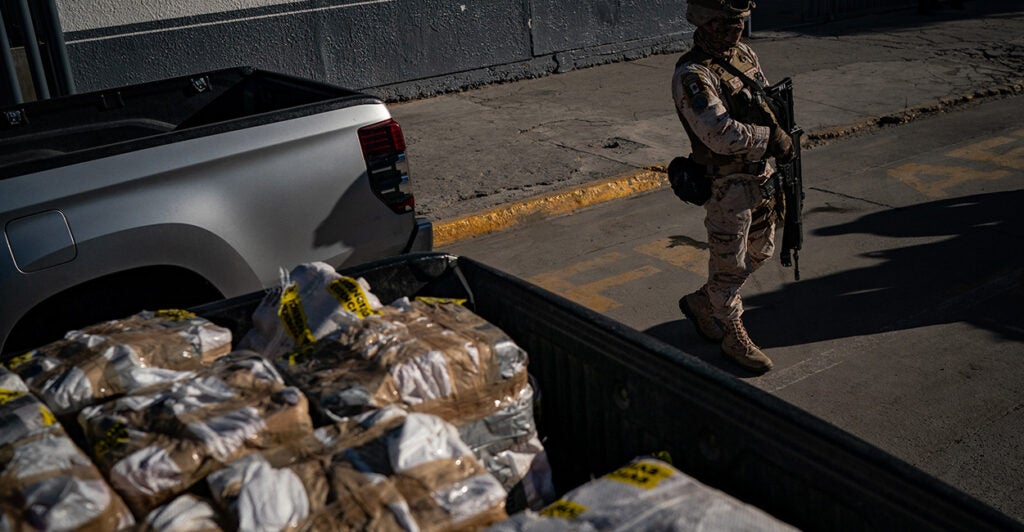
[[486, 159]]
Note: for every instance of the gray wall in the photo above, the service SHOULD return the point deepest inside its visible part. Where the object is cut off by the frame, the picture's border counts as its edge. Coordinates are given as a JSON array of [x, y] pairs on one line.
[[394, 48]]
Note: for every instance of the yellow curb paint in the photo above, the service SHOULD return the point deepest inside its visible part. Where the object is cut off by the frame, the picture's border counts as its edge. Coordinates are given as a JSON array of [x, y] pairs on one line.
[[650, 178], [548, 205]]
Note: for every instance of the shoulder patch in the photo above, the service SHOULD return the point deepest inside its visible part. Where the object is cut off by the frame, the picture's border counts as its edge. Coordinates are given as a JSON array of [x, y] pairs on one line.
[[696, 91], [692, 84], [699, 102]]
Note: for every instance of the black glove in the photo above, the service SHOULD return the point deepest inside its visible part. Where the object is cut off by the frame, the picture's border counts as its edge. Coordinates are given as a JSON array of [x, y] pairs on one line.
[[780, 146]]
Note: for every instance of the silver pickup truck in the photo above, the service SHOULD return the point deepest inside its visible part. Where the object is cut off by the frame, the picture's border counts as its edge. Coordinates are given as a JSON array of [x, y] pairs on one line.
[[177, 192]]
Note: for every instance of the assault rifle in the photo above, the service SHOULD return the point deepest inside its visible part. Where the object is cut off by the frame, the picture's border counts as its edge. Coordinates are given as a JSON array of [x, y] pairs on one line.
[[780, 99]]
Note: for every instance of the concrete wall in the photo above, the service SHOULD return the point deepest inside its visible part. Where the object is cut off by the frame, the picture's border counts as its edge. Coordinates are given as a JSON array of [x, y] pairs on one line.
[[394, 48]]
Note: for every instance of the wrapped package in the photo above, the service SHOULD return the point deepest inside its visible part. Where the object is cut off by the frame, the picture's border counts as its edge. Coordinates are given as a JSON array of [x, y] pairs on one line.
[[116, 357], [254, 494], [434, 470], [506, 442], [155, 443], [21, 413], [48, 483], [187, 513], [645, 494], [404, 356], [312, 303], [384, 470], [278, 491]]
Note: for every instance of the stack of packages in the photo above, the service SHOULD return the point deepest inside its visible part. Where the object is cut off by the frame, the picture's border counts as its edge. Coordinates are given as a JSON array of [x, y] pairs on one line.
[[158, 402], [351, 355], [117, 357], [46, 482], [646, 494], [425, 409], [156, 443], [383, 470]]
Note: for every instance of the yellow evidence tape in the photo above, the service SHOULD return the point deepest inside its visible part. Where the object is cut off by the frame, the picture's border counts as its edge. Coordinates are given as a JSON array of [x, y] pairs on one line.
[[351, 296], [643, 474], [563, 509], [293, 317]]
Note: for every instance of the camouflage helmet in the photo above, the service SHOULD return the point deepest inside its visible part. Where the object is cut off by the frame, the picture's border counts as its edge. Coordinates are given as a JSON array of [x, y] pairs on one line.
[[700, 12]]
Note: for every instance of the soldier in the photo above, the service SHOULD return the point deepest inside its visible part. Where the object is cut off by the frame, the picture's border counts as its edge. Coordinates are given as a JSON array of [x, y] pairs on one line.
[[732, 133]]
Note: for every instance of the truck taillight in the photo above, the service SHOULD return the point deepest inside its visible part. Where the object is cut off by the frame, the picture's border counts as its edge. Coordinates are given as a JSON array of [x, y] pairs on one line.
[[384, 150]]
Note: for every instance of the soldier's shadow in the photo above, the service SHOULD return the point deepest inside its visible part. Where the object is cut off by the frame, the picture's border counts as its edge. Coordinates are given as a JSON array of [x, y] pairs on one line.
[[971, 257]]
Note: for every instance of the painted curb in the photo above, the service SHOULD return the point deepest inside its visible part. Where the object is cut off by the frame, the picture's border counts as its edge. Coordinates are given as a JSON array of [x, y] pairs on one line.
[[548, 205], [651, 178]]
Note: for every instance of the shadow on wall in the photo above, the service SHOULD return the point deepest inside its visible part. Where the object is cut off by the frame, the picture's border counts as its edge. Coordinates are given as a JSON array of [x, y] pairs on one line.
[[973, 273]]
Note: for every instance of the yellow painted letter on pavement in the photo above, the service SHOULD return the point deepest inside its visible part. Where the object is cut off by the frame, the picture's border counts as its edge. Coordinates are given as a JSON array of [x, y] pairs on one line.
[[679, 254], [1011, 156], [934, 181], [589, 295]]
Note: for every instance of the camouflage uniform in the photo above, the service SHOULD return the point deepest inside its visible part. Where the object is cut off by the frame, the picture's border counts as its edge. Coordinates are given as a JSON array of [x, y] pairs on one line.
[[729, 133]]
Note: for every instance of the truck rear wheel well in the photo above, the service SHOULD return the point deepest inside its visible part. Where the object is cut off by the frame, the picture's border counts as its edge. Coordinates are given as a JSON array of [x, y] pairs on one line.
[[112, 296]]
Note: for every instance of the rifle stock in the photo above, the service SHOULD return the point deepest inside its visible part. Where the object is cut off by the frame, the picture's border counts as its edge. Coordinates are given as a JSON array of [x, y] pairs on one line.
[[791, 173]]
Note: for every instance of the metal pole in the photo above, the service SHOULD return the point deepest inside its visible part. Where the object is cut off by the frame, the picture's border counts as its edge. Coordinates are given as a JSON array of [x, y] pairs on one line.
[[35, 61], [58, 52], [12, 94]]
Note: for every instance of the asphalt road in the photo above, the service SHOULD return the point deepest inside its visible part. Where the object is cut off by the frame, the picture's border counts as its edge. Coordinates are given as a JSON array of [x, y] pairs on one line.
[[906, 328]]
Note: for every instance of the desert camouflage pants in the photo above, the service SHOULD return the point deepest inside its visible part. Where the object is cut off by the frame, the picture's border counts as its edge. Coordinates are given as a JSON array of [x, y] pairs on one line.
[[741, 237]]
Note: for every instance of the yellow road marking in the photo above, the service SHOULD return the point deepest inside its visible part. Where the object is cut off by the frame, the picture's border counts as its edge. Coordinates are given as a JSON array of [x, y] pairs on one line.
[[985, 151], [680, 255], [555, 277], [590, 294], [933, 180]]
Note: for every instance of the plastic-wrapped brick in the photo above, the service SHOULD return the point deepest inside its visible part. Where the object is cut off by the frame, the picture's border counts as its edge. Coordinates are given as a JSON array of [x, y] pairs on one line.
[[404, 356], [46, 482], [506, 442], [645, 494], [21, 413], [312, 303], [156, 443], [186, 513], [435, 472], [253, 493], [385, 470], [120, 356]]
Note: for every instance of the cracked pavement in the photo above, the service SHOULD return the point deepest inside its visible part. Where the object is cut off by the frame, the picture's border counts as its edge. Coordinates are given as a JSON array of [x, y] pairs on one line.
[[483, 148]]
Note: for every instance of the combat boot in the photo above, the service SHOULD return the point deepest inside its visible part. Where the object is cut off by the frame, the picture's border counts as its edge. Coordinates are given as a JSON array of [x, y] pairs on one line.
[[697, 308], [738, 346]]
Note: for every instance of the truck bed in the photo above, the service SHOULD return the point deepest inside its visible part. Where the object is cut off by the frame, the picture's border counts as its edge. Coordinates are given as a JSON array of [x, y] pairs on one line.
[[49, 133], [609, 393]]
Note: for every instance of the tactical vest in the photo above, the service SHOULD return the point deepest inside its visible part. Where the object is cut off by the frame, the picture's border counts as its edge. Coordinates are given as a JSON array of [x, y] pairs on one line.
[[742, 105]]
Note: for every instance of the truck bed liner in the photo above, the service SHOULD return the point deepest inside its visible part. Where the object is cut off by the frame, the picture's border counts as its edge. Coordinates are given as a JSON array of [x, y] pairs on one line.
[[49, 133]]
